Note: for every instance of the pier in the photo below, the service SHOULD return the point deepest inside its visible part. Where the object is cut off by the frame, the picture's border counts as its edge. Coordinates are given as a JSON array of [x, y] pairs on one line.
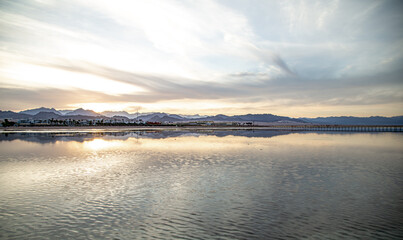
[[342, 128]]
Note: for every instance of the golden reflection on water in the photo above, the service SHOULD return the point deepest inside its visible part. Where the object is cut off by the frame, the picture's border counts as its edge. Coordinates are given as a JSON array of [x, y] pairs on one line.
[[229, 143], [208, 143], [137, 179], [98, 144], [97, 155]]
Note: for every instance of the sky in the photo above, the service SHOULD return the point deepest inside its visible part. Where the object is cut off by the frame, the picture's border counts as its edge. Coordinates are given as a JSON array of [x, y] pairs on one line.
[[293, 58]]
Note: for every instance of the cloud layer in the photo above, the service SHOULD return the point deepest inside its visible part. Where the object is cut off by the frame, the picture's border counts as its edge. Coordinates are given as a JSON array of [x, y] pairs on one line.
[[298, 58]]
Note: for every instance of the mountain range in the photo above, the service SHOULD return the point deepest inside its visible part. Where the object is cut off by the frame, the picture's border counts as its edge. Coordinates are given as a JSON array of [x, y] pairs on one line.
[[41, 109], [49, 113]]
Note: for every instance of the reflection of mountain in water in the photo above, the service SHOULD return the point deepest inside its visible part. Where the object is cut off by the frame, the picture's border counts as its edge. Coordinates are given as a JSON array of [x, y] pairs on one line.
[[52, 137]]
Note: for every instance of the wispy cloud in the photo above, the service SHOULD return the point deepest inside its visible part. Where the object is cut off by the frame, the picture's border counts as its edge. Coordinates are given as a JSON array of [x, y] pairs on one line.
[[346, 91], [237, 55]]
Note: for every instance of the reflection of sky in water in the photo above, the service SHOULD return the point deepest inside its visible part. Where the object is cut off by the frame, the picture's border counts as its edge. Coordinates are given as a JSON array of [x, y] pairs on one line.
[[201, 185]]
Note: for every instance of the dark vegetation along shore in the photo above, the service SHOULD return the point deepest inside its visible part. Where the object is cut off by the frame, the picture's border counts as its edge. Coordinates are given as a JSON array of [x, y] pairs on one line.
[[303, 127], [50, 117]]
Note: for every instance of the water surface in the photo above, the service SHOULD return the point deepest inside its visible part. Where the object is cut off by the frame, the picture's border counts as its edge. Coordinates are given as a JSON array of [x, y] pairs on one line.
[[201, 185]]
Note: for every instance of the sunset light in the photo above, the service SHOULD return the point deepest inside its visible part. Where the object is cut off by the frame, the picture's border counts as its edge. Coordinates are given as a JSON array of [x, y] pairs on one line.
[[208, 57], [201, 119]]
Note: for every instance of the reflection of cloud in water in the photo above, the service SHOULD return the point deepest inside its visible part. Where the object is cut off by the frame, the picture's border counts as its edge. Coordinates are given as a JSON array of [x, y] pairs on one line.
[[40, 137], [52, 137], [302, 184]]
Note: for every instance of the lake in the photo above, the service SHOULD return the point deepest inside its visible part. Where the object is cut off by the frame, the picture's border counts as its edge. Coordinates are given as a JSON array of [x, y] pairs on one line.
[[201, 185]]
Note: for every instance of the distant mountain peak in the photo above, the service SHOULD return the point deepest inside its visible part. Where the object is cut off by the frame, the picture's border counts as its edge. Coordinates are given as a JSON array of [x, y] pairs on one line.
[[38, 110], [43, 113], [83, 112]]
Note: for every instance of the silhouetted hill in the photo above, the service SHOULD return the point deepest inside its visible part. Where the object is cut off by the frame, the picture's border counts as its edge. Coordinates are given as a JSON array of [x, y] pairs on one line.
[[13, 115], [38, 110], [250, 118], [156, 117], [46, 115], [83, 112], [119, 113], [165, 119], [80, 117]]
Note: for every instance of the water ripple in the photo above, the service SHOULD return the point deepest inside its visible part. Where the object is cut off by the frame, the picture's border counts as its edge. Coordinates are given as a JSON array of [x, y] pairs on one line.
[[143, 190]]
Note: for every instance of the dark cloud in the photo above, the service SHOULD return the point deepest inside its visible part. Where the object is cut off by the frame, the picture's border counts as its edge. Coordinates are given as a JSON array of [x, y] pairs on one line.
[[280, 62]]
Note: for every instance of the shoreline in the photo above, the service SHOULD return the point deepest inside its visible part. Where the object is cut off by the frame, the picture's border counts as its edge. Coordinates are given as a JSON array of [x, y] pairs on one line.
[[123, 128], [345, 128]]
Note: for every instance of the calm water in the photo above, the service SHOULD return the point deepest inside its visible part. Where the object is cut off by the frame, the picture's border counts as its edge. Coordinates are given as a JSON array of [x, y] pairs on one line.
[[201, 185]]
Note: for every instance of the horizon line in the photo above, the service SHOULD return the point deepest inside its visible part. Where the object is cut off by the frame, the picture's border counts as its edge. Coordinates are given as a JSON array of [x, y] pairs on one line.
[[201, 115]]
